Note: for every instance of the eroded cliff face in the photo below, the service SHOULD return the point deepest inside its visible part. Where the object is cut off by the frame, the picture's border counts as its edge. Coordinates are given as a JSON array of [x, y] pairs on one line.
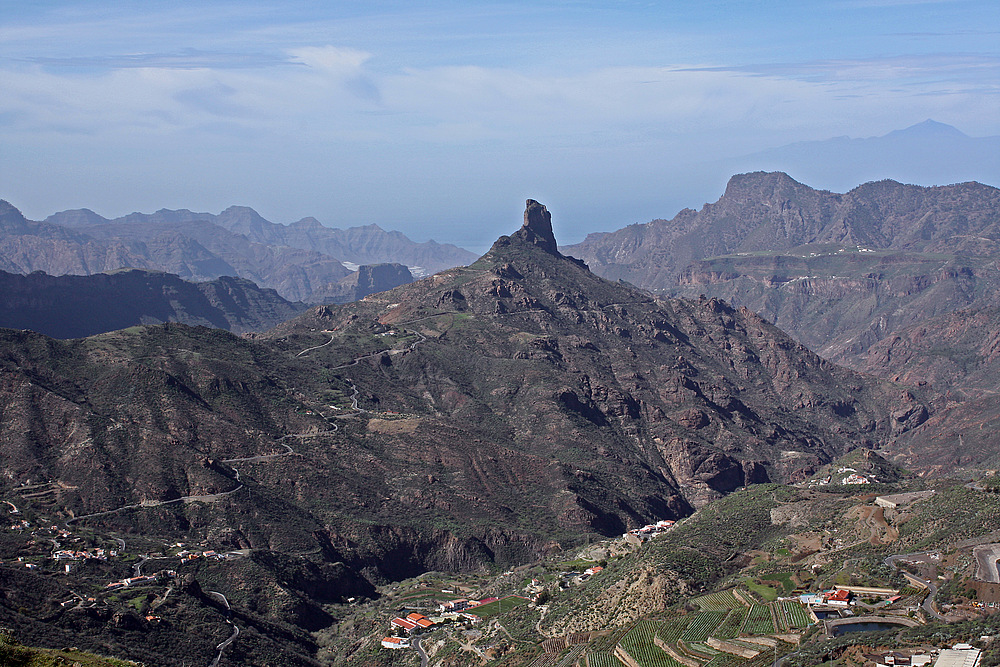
[[368, 279], [839, 303], [839, 272]]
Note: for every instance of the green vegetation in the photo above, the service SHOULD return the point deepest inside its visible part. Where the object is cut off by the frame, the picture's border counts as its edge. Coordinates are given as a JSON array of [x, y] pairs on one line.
[[703, 625], [12, 654], [718, 601], [731, 627], [639, 644], [758, 621], [502, 606], [733, 524], [767, 593], [671, 631], [795, 615], [784, 578], [603, 660]]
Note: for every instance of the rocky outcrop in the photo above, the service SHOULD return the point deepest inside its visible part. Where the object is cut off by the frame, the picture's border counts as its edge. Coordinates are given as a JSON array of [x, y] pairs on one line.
[[368, 279], [537, 227]]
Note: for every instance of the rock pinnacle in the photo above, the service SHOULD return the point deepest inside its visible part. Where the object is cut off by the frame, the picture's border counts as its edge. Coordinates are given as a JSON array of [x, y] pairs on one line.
[[537, 227]]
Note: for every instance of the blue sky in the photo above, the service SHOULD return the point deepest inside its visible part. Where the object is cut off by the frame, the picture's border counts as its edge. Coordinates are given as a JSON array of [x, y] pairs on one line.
[[440, 118]]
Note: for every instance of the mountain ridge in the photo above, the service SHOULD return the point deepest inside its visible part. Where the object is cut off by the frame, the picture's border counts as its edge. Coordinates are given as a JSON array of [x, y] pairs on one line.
[[80, 306], [797, 255]]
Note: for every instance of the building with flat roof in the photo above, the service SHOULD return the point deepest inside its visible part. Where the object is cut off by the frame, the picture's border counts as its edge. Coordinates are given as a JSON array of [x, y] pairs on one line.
[[959, 658]]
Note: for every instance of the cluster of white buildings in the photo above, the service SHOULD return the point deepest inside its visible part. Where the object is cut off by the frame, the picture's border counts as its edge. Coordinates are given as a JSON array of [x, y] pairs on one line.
[[96, 554], [639, 535], [853, 477]]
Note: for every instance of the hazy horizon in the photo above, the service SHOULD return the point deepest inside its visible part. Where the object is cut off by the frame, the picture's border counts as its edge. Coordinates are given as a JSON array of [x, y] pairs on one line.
[[439, 120]]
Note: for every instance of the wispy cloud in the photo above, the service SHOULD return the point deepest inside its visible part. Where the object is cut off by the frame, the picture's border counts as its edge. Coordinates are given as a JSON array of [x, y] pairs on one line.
[[904, 70], [185, 59], [423, 96]]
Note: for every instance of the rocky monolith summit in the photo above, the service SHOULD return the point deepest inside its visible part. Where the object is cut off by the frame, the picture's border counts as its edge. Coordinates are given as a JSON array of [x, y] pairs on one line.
[[537, 227], [537, 231]]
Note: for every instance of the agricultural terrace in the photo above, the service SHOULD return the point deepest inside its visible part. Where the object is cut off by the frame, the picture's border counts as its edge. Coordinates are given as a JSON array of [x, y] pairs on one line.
[[794, 616], [703, 625], [500, 606], [758, 621], [638, 645], [731, 627], [603, 660], [682, 640], [718, 601]]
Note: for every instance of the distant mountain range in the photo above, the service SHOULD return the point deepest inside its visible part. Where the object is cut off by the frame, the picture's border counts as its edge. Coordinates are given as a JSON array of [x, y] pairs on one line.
[[837, 271], [297, 260], [927, 153]]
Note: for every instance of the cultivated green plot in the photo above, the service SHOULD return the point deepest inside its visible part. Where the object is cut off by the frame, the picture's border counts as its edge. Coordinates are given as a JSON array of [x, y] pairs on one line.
[[758, 621], [703, 625], [731, 627], [498, 607], [603, 660], [702, 650], [718, 601], [671, 631], [725, 660], [795, 614], [639, 645]]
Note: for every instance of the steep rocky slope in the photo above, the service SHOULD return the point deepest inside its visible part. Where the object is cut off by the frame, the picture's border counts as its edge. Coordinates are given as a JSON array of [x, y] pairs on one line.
[[954, 359], [553, 359], [79, 306]]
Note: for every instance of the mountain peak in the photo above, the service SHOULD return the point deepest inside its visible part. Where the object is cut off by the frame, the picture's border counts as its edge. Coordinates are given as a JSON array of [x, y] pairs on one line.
[[537, 227], [929, 128]]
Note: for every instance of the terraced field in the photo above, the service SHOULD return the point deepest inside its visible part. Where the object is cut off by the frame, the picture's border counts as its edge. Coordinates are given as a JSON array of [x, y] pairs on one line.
[[603, 660], [639, 645], [758, 621], [671, 631], [703, 625], [719, 601], [795, 615], [687, 634], [725, 660], [730, 627]]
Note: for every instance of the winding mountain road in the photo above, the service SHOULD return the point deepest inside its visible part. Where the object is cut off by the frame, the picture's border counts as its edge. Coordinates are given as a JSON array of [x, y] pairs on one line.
[[421, 652], [222, 647], [333, 337], [928, 604]]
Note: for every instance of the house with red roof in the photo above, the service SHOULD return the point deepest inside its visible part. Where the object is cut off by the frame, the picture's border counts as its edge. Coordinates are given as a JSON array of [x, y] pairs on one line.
[[403, 624], [395, 642]]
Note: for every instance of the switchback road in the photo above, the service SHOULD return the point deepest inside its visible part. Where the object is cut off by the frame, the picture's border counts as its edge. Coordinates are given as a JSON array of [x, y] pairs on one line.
[[928, 604]]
